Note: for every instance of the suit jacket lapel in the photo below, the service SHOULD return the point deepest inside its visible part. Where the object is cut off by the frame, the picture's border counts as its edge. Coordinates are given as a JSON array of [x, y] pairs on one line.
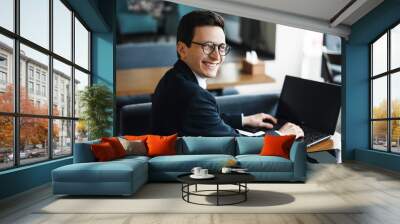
[[186, 72]]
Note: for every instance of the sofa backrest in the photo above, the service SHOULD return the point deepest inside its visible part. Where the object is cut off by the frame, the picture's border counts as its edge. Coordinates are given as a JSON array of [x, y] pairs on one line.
[[249, 145], [206, 145], [83, 152], [134, 119]]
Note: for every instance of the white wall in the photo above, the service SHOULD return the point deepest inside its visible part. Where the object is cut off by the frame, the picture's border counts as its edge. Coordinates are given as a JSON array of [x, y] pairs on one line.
[[297, 53]]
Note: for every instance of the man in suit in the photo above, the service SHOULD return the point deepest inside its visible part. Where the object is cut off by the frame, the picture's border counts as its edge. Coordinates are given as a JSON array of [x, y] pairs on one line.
[[181, 104]]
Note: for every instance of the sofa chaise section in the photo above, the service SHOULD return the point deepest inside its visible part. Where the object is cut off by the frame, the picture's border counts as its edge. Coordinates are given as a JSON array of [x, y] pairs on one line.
[[87, 177]]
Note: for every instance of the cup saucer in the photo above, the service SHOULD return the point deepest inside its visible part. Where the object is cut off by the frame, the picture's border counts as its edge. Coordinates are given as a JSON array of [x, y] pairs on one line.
[[208, 176]]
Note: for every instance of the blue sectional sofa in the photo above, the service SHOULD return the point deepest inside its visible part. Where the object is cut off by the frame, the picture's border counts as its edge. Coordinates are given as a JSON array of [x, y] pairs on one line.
[[125, 176]]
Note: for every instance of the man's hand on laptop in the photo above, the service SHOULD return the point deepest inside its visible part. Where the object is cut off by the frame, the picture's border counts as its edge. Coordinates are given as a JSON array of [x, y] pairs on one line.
[[260, 120], [291, 129]]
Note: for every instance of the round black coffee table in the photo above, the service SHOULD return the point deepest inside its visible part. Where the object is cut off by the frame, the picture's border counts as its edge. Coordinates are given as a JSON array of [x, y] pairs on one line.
[[238, 179]]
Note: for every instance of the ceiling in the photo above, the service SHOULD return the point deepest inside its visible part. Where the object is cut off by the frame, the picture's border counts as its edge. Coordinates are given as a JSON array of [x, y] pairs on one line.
[[326, 16]]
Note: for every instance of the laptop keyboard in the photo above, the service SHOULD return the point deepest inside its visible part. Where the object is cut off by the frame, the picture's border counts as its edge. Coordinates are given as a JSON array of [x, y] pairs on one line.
[[311, 136]]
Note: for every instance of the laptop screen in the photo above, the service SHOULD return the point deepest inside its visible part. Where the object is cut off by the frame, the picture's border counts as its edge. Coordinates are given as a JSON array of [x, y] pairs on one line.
[[310, 103]]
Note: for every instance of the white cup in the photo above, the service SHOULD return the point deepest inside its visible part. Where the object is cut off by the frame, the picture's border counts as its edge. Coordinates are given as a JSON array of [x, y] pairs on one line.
[[203, 172], [196, 170], [226, 170]]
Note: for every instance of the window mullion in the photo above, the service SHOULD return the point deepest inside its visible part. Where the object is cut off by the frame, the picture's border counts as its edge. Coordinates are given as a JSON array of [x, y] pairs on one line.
[[16, 84], [389, 106], [73, 83], [50, 81]]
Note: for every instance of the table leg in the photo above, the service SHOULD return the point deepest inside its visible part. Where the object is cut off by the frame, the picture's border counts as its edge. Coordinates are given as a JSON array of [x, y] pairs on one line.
[[245, 193], [196, 188], [217, 194]]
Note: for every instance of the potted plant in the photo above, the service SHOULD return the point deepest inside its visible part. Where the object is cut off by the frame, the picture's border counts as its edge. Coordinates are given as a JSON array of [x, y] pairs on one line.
[[96, 104]]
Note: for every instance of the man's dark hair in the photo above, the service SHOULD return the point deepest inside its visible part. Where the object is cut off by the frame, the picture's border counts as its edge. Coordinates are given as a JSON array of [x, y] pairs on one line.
[[195, 19]]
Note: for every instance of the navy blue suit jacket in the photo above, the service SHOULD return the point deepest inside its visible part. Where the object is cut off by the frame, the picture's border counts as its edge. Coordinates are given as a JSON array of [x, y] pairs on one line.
[[180, 105]]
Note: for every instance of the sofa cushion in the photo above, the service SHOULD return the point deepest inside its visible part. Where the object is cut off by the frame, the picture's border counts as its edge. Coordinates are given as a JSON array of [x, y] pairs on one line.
[[249, 145], [136, 137], [207, 145], [135, 147], [277, 145], [161, 145], [257, 163], [116, 145], [185, 163], [103, 152], [112, 171]]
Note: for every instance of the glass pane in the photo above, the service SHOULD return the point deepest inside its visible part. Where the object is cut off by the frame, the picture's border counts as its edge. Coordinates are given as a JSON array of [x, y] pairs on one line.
[[81, 81], [81, 131], [6, 74], [33, 139], [34, 92], [379, 55], [379, 135], [395, 47], [35, 21], [62, 29], [81, 45], [6, 142], [379, 97], [7, 14], [395, 136], [395, 94], [62, 138], [62, 89]]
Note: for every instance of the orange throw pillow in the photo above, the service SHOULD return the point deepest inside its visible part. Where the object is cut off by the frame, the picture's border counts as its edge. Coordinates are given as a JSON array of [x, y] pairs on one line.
[[103, 151], [136, 137], [277, 145], [161, 145], [116, 145]]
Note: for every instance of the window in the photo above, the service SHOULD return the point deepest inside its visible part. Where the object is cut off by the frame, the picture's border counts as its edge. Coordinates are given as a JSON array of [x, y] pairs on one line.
[[62, 29], [62, 75], [34, 22], [37, 75], [7, 14], [44, 91], [54, 126], [38, 89], [385, 97], [30, 87], [3, 78], [43, 77], [81, 45], [3, 61], [7, 71], [30, 72], [3, 72]]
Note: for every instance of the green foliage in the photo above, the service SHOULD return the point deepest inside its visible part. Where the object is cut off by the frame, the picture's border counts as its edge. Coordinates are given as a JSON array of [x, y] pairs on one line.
[[96, 104], [380, 127]]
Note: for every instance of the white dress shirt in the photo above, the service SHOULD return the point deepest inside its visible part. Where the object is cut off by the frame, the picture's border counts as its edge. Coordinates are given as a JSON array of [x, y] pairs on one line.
[[202, 81]]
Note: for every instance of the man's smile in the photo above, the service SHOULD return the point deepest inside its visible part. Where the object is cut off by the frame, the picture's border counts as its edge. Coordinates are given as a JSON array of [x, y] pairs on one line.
[[210, 65]]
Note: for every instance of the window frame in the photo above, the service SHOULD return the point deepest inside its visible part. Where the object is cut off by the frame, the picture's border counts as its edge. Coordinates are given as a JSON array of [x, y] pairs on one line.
[[388, 74], [16, 114]]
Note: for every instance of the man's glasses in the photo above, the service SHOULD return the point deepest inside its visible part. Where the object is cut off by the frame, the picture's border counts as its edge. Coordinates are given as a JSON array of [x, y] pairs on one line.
[[209, 47]]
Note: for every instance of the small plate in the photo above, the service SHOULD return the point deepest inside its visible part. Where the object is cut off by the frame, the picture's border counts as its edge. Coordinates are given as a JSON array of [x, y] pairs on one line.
[[208, 176]]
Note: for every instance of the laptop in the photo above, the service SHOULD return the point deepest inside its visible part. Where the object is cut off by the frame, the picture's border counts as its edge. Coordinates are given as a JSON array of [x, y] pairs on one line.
[[312, 105]]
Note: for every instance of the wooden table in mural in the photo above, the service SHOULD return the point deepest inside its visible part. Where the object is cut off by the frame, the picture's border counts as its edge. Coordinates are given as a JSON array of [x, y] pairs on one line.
[[144, 80], [334, 142]]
